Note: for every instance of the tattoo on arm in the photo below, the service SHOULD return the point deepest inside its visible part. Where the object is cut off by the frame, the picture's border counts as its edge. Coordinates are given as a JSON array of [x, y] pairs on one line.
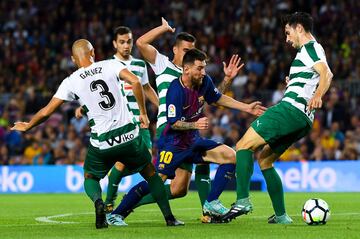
[[224, 86], [181, 125]]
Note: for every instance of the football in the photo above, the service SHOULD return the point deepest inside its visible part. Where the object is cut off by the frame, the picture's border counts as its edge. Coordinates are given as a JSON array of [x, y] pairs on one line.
[[315, 211]]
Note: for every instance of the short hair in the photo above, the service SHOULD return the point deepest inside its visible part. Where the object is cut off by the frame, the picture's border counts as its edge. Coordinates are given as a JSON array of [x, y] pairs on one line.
[[184, 36], [121, 30], [302, 18], [192, 55]]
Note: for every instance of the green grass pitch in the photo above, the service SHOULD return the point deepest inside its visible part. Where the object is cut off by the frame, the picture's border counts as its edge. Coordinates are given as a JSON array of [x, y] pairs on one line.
[[72, 216]]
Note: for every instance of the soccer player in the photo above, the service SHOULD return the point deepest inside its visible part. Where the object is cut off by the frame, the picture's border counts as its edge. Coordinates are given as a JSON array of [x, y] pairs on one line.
[[285, 122], [181, 142], [123, 43], [114, 134], [166, 71]]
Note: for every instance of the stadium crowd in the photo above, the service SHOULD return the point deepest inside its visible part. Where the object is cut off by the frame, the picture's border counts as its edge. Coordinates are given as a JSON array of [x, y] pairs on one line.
[[36, 38]]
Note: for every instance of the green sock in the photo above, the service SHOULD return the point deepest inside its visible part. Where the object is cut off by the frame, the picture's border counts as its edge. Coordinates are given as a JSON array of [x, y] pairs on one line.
[[202, 181], [244, 170], [115, 177], [150, 199], [275, 190], [92, 189], [157, 189]]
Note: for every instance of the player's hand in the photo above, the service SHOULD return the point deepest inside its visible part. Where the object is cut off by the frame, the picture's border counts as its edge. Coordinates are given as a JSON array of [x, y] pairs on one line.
[[166, 25], [255, 108], [144, 121], [233, 68], [79, 112], [20, 126], [314, 103], [202, 123]]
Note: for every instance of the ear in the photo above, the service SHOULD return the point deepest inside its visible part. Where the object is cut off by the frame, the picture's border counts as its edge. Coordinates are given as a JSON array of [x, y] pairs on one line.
[[114, 44], [73, 59], [92, 53], [175, 49]]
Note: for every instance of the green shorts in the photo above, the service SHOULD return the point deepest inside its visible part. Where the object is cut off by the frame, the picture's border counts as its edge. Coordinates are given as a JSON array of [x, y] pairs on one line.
[[145, 134], [281, 126], [134, 155], [187, 166]]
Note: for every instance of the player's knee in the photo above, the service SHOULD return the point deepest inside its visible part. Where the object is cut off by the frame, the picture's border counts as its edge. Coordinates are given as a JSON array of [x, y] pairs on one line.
[[265, 164], [179, 192], [229, 156], [91, 176], [243, 144]]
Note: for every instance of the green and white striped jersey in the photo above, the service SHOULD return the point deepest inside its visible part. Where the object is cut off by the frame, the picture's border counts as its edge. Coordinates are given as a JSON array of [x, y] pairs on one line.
[[138, 67], [165, 72], [303, 77], [98, 90]]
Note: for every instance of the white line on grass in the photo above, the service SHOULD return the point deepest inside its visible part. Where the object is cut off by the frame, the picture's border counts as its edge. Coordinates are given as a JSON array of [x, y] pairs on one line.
[[48, 219]]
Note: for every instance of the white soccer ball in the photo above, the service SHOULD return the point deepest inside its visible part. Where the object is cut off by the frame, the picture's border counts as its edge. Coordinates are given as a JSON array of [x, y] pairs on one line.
[[315, 211]]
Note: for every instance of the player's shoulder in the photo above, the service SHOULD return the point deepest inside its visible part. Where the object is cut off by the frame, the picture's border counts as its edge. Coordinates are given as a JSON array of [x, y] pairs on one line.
[[111, 61], [137, 62], [176, 83]]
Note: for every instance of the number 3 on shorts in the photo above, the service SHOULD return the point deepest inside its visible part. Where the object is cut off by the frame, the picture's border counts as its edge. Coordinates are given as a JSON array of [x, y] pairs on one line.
[[166, 157]]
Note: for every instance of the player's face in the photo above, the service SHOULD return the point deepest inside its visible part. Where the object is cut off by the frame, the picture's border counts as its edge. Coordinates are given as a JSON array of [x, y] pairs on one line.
[[180, 49], [197, 72], [292, 36], [124, 44]]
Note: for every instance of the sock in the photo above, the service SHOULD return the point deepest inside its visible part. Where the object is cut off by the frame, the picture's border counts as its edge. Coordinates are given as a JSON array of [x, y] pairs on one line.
[[150, 199], [223, 175], [115, 177], [202, 181], [158, 192], [132, 198], [244, 170], [92, 189], [275, 190]]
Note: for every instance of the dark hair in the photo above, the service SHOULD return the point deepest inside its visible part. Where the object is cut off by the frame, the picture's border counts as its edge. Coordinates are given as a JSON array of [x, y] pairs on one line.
[[120, 31], [192, 55], [184, 36], [302, 18]]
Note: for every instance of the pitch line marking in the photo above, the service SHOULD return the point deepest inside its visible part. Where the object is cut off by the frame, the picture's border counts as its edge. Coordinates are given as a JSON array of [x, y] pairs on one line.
[[48, 219]]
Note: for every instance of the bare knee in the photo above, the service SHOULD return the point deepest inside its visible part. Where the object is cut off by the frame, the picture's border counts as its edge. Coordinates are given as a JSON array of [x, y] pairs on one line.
[[265, 164], [244, 144], [178, 190], [229, 156]]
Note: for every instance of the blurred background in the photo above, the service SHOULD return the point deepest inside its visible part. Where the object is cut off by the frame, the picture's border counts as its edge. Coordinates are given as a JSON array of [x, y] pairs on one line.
[[36, 39]]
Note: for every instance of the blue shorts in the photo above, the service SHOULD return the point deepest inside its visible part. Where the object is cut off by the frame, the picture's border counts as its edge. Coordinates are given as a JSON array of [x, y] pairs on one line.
[[171, 157]]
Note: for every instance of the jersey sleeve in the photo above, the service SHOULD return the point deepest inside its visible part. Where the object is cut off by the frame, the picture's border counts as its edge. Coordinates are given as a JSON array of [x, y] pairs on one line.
[[160, 63], [145, 77], [64, 91], [212, 94], [174, 103], [316, 53]]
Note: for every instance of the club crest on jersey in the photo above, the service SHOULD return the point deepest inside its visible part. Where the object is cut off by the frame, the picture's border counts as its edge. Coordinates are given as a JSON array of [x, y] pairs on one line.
[[171, 110]]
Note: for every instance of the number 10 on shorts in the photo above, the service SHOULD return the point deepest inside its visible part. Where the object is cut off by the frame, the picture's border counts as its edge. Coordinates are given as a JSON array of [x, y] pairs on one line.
[[166, 157]]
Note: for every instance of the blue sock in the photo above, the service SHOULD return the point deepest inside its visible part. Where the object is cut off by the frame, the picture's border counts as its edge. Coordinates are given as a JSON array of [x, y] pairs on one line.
[[224, 174], [132, 198]]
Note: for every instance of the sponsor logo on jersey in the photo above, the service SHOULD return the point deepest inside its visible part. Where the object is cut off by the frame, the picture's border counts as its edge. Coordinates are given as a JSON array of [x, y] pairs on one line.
[[171, 110], [120, 139]]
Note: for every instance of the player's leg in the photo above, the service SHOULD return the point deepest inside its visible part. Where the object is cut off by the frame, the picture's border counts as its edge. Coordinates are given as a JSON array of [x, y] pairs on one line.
[[274, 185], [202, 181], [95, 169], [115, 175], [178, 187], [225, 156]]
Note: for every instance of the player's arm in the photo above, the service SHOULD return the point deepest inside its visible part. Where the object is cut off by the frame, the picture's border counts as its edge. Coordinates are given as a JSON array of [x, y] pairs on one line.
[[144, 42], [324, 83], [41, 116], [254, 108], [230, 72], [151, 94], [132, 79], [202, 123]]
